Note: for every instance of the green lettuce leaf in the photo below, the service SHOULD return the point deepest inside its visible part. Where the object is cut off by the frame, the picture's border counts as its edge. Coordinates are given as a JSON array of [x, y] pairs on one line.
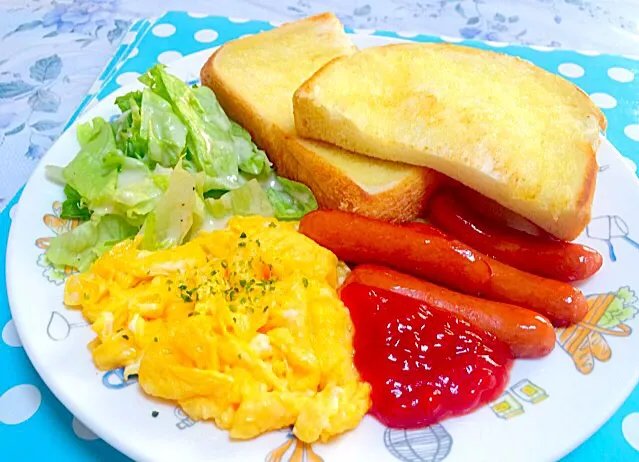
[[210, 146], [175, 213], [251, 159], [82, 245], [290, 200], [74, 207], [88, 173], [126, 128], [249, 199], [137, 190], [163, 131]]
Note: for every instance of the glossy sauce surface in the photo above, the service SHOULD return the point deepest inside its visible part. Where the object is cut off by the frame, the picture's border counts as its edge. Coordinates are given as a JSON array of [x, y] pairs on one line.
[[424, 365]]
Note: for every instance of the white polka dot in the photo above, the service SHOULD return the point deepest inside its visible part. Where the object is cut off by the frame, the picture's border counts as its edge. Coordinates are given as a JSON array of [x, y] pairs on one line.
[[198, 15], [630, 163], [603, 100], [81, 431], [588, 52], [10, 335], [447, 38], [632, 131], [239, 20], [364, 31], [630, 429], [541, 48], [127, 77], [621, 75], [571, 70], [164, 30], [407, 34], [206, 36], [167, 57], [19, 403], [134, 52], [129, 38], [13, 211], [496, 44]]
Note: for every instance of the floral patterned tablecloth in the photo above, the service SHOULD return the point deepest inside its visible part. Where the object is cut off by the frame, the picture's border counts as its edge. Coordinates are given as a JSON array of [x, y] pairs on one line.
[[52, 52]]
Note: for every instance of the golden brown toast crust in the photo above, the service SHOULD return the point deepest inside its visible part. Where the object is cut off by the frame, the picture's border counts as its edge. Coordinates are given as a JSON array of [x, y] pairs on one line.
[[316, 121], [294, 158]]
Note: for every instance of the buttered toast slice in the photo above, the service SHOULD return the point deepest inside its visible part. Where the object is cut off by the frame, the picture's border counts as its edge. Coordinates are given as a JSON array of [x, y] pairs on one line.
[[498, 124], [254, 79]]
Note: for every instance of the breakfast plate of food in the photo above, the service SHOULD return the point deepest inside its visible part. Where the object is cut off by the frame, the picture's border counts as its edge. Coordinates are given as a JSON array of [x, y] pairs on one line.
[[333, 246]]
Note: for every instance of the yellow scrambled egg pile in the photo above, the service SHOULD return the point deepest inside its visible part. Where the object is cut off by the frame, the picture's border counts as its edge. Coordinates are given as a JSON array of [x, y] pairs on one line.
[[241, 326]]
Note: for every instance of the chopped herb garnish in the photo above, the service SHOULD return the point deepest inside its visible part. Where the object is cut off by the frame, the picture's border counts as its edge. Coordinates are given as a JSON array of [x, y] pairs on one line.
[[305, 282], [257, 241], [224, 264], [232, 309], [155, 339], [125, 337], [272, 225], [186, 297], [265, 309], [242, 244], [154, 414], [182, 287], [243, 282], [243, 236], [213, 273]]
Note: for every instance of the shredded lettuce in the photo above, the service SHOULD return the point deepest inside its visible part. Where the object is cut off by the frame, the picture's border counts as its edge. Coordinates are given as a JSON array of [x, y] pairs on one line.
[[162, 130], [88, 173], [127, 128], [79, 247], [173, 217], [171, 165], [74, 208], [291, 200], [249, 199], [209, 144]]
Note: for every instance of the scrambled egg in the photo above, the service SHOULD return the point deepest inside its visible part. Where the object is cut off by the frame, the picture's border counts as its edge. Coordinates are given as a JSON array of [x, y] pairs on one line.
[[241, 326]]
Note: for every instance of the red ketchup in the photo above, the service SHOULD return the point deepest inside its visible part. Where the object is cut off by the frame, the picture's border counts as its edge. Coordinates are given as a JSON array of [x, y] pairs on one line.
[[424, 365]]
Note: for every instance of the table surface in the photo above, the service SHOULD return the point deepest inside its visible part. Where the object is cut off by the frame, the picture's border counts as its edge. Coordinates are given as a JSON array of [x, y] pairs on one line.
[[73, 40], [52, 52]]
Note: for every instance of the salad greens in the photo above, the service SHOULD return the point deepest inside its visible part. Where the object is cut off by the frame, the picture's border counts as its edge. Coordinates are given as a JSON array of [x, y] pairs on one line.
[[171, 165]]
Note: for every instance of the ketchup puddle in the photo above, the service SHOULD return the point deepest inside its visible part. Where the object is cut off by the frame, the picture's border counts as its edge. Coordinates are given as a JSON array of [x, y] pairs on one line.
[[424, 365]]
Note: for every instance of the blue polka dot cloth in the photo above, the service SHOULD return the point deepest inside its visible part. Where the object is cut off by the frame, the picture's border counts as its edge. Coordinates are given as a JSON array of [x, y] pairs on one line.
[[35, 426]]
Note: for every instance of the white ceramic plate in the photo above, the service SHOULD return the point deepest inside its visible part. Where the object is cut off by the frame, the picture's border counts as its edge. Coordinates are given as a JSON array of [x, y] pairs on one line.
[[549, 408]]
